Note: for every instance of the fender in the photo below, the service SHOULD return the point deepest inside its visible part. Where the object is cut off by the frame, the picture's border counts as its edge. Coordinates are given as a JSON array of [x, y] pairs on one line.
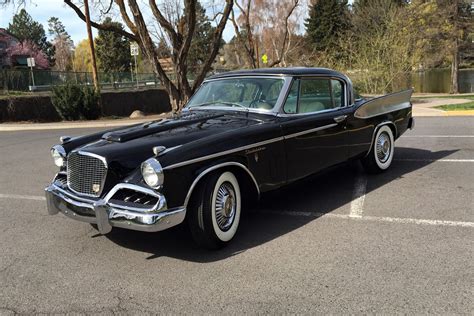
[[215, 167]]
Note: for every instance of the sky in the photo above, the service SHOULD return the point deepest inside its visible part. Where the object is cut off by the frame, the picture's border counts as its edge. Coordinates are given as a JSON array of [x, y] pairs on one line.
[[42, 10]]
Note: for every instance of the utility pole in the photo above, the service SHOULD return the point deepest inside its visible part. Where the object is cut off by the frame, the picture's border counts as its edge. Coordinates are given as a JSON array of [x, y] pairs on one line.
[[95, 77]]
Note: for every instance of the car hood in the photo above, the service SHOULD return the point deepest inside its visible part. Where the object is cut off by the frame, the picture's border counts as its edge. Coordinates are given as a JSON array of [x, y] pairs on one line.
[[128, 147]]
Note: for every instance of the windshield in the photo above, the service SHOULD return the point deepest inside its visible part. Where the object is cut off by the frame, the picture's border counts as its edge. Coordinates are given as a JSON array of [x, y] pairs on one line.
[[248, 93]]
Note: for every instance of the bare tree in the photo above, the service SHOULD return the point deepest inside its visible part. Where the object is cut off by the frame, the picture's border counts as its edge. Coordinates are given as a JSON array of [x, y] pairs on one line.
[[258, 28], [180, 33]]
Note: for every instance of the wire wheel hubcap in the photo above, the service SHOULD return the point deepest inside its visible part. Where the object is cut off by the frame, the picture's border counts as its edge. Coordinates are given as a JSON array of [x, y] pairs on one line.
[[383, 147], [226, 205]]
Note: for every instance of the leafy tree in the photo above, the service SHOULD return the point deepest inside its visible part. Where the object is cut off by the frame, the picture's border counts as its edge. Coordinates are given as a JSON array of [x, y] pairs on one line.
[[63, 44], [25, 28], [328, 19], [202, 39], [113, 49], [82, 60]]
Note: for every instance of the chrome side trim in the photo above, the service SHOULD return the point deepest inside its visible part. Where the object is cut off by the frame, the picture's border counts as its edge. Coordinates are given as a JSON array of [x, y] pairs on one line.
[[309, 131], [238, 149], [225, 164], [385, 104], [375, 131], [222, 153]]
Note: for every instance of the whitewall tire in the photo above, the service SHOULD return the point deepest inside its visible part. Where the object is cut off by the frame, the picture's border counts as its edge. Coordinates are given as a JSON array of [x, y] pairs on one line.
[[214, 210], [381, 153]]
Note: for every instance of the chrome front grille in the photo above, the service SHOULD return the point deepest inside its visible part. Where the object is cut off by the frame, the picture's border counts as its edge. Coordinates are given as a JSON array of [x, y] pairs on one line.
[[86, 173]]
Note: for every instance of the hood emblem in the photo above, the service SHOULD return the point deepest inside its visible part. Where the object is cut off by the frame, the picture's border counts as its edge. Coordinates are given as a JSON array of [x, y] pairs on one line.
[[96, 188]]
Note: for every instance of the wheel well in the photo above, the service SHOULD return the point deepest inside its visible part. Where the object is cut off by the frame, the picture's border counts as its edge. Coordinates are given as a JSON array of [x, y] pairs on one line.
[[247, 185]]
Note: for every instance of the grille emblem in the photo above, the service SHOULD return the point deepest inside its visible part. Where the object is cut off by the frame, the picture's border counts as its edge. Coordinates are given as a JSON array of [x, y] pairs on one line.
[[96, 188]]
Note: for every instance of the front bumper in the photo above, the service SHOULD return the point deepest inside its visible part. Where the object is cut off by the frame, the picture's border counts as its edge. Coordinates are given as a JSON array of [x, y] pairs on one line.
[[107, 215]]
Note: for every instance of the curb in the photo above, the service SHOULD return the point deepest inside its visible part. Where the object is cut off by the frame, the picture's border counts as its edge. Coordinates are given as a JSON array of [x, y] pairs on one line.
[[53, 126], [459, 113]]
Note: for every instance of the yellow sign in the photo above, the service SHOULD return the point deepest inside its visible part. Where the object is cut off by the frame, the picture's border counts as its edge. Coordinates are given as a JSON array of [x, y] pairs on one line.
[[265, 58]]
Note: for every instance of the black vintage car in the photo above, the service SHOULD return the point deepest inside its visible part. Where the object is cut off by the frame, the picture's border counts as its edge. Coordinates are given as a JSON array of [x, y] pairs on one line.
[[243, 133]]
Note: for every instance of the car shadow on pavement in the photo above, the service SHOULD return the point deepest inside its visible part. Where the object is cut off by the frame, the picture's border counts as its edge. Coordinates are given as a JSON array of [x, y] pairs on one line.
[[331, 191]]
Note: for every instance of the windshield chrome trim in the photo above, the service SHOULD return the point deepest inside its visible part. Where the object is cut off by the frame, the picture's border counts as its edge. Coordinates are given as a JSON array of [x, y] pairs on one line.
[[278, 104]]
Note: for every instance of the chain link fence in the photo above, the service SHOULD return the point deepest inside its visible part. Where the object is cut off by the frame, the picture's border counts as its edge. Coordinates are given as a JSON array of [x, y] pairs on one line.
[[43, 80]]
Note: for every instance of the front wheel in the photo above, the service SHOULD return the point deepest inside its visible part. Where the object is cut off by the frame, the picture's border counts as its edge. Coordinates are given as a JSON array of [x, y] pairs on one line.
[[380, 156], [214, 210]]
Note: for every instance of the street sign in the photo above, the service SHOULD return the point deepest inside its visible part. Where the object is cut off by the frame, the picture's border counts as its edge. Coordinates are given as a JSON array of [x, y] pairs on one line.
[[265, 59], [134, 49], [30, 61]]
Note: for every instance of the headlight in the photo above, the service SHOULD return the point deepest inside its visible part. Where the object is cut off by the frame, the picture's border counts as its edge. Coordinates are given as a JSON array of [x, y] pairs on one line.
[[153, 173], [59, 156]]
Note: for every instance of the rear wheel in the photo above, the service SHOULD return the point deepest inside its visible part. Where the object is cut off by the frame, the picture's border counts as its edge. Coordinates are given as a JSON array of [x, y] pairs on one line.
[[380, 156], [214, 210]]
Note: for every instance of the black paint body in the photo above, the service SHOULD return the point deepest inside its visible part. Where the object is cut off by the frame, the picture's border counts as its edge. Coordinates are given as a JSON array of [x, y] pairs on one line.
[[212, 133]]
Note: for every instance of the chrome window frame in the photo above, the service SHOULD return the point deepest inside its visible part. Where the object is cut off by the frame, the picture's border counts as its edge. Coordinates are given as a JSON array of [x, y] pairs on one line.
[[274, 111], [347, 95]]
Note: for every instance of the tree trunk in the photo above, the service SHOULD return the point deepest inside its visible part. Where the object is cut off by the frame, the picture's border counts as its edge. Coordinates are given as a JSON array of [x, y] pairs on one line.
[[95, 77], [455, 69]]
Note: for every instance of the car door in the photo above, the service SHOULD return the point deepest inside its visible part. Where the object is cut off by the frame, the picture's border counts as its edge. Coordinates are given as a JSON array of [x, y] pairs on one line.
[[313, 124]]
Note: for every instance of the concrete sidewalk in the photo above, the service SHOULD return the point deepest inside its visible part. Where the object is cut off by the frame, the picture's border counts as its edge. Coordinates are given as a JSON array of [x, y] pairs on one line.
[[27, 126], [426, 107]]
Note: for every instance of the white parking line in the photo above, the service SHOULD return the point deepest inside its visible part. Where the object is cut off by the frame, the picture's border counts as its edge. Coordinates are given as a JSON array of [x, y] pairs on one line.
[[22, 197], [398, 220], [437, 136], [358, 197], [416, 221], [431, 160]]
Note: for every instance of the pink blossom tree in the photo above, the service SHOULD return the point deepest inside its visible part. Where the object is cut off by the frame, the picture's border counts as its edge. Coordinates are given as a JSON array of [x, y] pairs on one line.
[[27, 48]]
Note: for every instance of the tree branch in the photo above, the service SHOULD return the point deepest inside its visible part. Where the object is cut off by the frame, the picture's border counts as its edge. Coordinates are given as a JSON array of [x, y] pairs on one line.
[[215, 44], [285, 38], [125, 17], [173, 35], [108, 27]]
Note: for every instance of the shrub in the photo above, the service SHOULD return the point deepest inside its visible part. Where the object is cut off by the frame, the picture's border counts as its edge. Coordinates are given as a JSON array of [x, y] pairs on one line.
[[75, 103], [91, 110]]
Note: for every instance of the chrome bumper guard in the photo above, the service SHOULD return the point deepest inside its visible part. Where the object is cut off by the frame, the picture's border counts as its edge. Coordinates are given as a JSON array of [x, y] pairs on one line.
[[107, 215]]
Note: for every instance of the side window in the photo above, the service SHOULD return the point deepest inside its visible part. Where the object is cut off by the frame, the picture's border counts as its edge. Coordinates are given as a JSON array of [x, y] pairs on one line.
[[292, 98], [337, 93], [315, 96]]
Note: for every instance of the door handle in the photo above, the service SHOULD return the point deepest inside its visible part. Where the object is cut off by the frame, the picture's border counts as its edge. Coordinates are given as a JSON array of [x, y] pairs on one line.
[[339, 119]]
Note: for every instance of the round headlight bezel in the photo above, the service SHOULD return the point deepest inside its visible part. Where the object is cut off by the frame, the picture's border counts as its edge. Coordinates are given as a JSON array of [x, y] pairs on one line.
[[152, 173], [59, 156]]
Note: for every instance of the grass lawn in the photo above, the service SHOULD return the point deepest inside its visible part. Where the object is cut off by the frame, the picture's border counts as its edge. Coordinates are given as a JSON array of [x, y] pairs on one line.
[[457, 107]]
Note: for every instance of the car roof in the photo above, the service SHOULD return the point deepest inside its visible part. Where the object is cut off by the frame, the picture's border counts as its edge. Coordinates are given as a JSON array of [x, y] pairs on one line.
[[292, 71]]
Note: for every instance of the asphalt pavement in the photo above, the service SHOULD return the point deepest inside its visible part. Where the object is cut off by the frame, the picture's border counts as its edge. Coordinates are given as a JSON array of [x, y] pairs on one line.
[[340, 242]]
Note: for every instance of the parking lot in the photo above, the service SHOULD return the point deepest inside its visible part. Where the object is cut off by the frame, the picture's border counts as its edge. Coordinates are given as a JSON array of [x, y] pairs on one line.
[[340, 242]]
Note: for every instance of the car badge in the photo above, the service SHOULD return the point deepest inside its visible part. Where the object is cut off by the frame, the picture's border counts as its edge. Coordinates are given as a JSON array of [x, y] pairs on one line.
[[96, 188]]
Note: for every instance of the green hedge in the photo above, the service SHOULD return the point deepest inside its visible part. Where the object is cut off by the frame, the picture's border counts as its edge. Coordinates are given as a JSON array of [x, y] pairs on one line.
[[73, 102]]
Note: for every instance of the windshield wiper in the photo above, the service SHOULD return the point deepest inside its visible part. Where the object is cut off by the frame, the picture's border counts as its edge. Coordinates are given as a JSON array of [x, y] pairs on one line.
[[220, 102]]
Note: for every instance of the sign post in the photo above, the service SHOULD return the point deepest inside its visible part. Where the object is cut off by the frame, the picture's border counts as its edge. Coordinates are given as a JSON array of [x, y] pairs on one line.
[[31, 63], [134, 53]]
